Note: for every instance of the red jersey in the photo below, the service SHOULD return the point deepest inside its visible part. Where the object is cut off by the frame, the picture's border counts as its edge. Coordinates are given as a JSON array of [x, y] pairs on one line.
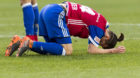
[[80, 17]]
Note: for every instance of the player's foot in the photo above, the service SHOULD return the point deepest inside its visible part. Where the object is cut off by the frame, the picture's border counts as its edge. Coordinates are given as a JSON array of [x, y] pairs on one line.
[[24, 46], [13, 46]]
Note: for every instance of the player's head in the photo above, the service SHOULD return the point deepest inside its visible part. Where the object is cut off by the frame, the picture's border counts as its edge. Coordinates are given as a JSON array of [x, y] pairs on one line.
[[110, 40]]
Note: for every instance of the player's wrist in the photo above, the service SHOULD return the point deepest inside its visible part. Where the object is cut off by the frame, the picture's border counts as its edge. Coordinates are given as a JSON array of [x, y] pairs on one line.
[[114, 50]]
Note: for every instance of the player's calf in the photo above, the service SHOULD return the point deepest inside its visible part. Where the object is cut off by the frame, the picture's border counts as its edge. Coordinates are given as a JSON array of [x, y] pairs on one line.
[[30, 17], [44, 47]]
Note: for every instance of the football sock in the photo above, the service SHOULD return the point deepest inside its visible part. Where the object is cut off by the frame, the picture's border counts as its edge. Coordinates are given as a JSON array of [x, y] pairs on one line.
[[31, 37], [45, 48], [38, 51], [28, 17], [35, 38], [36, 13]]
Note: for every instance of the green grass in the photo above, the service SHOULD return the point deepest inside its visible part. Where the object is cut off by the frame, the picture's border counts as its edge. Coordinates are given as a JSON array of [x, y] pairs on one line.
[[80, 64]]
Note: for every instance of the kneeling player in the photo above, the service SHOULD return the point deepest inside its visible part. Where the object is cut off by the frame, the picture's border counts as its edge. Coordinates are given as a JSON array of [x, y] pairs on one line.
[[58, 21]]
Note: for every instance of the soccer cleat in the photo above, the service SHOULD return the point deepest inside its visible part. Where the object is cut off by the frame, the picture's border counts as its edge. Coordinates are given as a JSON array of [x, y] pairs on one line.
[[13, 46], [24, 45]]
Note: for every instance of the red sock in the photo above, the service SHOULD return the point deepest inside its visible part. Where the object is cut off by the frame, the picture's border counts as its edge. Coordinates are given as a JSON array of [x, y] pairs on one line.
[[33, 37]]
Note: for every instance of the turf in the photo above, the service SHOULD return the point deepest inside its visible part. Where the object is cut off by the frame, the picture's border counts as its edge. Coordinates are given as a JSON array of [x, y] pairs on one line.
[[123, 16]]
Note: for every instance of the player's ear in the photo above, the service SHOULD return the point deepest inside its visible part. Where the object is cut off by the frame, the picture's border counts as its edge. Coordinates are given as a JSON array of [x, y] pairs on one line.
[[107, 34], [121, 38]]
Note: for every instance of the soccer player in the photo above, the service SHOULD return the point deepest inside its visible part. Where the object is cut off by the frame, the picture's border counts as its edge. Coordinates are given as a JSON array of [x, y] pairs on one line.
[[57, 22], [30, 17]]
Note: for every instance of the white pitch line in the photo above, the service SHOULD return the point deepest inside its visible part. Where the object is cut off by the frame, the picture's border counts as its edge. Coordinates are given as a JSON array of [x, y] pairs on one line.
[[7, 36], [9, 19], [132, 38], [125, 24], [122, 24], [3, 25]]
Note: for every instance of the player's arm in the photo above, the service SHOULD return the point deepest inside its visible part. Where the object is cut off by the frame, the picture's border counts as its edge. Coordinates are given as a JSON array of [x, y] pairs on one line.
[[95, 34], [95, 50]]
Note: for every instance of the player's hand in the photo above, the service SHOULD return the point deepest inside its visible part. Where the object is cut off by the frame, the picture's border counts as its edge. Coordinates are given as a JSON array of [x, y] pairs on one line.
[[120, 49]]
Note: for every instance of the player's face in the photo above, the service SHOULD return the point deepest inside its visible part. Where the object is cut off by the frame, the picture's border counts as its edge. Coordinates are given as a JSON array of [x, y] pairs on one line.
[[104, 39]]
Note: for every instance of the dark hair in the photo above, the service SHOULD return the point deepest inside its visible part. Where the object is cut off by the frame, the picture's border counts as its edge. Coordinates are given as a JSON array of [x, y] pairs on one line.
[[113, 40]]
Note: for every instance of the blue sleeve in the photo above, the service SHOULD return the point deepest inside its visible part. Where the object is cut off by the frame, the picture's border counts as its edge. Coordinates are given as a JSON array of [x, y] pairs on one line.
[[95, 34], [107, 25]]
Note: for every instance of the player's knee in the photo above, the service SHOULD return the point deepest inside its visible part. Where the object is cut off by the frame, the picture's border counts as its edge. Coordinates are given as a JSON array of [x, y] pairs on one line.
[[22, 2], [69, 51], [68, 48]]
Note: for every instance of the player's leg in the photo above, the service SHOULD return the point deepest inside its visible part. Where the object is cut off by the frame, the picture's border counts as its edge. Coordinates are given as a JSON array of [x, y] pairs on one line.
[[36, 13], [28, 17], [40, 47], [42, 32], [46, 47], [57, 46]]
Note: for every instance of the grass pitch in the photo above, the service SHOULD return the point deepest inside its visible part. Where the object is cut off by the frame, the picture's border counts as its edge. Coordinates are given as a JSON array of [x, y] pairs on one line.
[[123, 16]]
